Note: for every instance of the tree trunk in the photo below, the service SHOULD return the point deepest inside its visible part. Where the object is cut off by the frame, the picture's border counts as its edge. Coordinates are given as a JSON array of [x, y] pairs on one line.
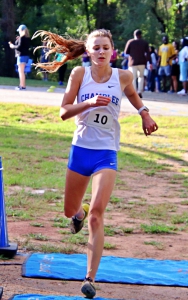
[[8, 30], [101, 13], [161, 21], [87, 15]]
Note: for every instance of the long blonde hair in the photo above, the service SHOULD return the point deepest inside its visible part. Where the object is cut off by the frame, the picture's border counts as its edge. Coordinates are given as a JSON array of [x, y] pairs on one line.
[[71, 48], [27, 32]]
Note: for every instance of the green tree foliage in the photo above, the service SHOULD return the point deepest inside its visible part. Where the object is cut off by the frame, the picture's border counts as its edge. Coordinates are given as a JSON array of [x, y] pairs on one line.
[[7, 34], [77, 18]]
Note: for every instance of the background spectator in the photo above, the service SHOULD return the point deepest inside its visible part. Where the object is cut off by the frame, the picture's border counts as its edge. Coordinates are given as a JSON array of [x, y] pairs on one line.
[[21, 46], [175, 71], [138, 51], [124, 63], [113, 59], [44, 59], [183, 61], [166, 54], [152, 72], [85, 60], [157, 77], [62, 69]]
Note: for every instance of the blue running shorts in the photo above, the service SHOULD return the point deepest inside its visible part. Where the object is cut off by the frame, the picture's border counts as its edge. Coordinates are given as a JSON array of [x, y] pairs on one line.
[[88, 161], [22, 59], [183, 71]]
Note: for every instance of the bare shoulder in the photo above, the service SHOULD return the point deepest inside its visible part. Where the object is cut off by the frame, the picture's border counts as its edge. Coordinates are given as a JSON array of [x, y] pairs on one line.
[[76, 76], [78, 72], [125, 77]]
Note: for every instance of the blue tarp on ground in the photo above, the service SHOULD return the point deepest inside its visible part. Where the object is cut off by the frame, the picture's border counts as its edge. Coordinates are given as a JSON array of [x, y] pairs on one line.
[[112, 269], [52, 297], [1, 292]]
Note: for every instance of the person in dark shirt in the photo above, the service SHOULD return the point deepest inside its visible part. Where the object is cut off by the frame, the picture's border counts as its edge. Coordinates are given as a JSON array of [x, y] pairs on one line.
[[152, 73], [138, 51], [44, 58], [21, 46]]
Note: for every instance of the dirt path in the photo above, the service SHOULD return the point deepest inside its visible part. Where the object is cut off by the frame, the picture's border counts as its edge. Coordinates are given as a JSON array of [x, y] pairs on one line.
[[170, 246]]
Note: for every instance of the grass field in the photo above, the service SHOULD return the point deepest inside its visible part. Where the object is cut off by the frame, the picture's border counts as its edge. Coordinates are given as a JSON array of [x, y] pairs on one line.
[[42, 141], [29, 82], [34, 146]]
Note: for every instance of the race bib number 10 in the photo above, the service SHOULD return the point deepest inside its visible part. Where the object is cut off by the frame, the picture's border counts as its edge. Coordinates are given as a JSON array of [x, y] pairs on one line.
[[99, 119]]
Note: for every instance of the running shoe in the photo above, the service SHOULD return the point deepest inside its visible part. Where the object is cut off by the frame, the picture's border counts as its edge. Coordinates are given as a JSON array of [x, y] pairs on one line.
[[88, 288], [76, 225], [182, 93], [20, 88]]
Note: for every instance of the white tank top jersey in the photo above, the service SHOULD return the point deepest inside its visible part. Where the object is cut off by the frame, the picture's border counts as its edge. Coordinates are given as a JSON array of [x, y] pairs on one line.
[[98, 127]]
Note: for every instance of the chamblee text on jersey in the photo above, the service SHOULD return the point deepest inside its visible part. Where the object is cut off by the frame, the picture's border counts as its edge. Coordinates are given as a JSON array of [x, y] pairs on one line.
[[85, 97]]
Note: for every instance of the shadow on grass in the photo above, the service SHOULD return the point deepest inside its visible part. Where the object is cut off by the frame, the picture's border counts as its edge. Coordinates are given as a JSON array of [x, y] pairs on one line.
[[34, 158], [38, 158], [160, 154]]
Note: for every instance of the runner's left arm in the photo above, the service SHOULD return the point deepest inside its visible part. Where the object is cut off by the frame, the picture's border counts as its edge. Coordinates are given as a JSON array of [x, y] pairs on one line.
[[148, 124]]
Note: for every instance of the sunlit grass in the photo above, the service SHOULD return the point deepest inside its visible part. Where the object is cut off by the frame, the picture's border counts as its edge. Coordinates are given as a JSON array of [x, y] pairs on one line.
[[158, 228], [170, 143], [34, 147], [9, 81]]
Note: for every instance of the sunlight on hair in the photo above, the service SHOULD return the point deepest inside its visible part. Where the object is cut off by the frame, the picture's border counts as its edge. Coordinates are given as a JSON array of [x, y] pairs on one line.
[[71, 48]]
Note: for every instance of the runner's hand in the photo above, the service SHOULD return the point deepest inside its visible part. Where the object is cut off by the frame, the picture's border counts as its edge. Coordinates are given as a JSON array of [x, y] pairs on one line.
[[99, 100], [148, 124]]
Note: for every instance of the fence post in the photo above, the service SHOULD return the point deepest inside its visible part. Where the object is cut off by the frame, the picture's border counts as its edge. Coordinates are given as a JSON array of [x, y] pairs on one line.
[[6, 249]]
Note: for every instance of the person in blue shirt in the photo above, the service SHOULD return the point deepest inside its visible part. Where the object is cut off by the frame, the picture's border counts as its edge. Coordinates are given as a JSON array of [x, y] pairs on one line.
[[62, 69]]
